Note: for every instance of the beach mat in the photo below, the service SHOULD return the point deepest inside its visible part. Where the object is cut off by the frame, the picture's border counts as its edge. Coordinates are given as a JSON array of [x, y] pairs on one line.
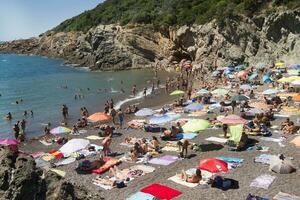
[[188, 136], [263, 181], [178, 180], [285, 196], [161, 191], [165, 160], [264, 158], [217, 139], [141, 196], [231, 159], [59, 172]]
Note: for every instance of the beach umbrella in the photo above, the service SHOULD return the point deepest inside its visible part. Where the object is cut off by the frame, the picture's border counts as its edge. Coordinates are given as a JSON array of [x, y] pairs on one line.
[[73, 145], [213, 165], [220, 91], [296, 98], [60, 130], [240, 98], [294, 66], [281, 166], [195, 125], [280, 64], [144, 112], [99, 116], [246, 87], [233, 119], [270, 91], [260, 105], [287, 94], [177, 93], [289, 79], [254, 111], [296, 141], [8, 141], [214, 106], [242, 74], [296, 83], [160, 119], [293, 72], [267, 79], [253, 76], [202, 92], [194, 106]]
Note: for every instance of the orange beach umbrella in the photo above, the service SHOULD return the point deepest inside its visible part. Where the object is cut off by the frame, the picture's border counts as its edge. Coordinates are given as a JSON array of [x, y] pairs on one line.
[[99, 116]]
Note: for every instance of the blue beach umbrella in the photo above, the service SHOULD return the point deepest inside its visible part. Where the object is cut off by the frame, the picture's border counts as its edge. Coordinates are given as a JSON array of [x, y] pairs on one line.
[[267, 79], [194, 106], [160, 119], [294, 66], [253, 76]]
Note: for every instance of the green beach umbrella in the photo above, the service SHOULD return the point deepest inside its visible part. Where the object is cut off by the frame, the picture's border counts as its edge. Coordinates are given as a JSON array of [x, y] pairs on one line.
[[220, 91], [177, 93], [240, 98], [195, 125]]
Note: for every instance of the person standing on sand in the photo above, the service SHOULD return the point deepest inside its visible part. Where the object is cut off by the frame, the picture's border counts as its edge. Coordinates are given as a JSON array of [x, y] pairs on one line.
[[134, 90], [145, 91], [113, 114], [106, 143], [121, 117]]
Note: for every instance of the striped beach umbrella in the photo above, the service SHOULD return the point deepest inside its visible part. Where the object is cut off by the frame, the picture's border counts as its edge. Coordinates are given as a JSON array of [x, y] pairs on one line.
[[60, 130]]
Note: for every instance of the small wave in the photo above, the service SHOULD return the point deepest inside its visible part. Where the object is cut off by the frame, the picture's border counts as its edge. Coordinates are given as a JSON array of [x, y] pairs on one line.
[[132, 98], [112, 90], [110, 79], [4, 60]]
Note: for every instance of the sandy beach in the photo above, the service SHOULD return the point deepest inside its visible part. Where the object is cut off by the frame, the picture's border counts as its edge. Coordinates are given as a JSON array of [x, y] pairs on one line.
[[288, 183]]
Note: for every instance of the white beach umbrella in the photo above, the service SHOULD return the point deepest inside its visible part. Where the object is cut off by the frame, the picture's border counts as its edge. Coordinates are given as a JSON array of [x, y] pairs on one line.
[[73, 145]]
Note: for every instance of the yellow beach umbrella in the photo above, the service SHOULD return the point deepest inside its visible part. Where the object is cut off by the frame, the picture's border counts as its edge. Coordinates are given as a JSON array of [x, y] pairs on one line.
[[280, 64]]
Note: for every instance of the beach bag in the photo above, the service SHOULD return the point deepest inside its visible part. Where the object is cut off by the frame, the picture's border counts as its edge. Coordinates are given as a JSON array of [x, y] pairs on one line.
[[251, 197], [224, 184], [154, 129]]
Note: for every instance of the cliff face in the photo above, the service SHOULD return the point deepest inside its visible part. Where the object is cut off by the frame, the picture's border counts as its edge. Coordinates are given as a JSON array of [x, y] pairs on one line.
[[111, 47], [20, 179]]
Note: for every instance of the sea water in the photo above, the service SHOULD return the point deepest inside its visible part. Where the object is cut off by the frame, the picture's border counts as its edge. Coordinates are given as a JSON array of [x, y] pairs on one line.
[[45, 85]]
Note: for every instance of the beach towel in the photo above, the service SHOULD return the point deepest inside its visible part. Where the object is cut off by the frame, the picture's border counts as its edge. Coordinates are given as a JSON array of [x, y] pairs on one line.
[[45, 143], [66, 161], [37, 154], [216, 139], [231, 159], [269, 139], [263, 181], [59, 172], [282, 115], [236, 132], [94, 137], [161, 191], [109, 162], [141, 196], [105, 187], [171, 146], [165, 160], [264, 158], [285, 196], [186, 136], [145, 168], [178, 180]]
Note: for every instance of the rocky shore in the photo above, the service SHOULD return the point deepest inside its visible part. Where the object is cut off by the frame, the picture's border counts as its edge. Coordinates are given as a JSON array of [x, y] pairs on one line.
[[259, 39]]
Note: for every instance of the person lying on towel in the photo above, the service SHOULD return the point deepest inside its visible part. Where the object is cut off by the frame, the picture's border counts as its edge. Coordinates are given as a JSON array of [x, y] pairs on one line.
[[195, 178]]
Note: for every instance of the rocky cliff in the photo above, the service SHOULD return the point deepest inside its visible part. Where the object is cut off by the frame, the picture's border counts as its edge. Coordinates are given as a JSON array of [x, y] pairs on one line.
[[259, 39], [20, 179]]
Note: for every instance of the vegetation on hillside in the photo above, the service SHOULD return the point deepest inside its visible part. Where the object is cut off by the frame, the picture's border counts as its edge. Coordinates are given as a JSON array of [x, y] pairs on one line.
[[169, 12]]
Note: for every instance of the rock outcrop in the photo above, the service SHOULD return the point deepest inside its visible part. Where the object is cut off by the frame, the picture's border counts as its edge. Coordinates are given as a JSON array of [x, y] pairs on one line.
[[20, 179], [238, 39]]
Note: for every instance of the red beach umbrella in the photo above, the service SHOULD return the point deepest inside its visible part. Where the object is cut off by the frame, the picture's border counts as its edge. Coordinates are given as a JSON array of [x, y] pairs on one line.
[[233, 119], [213, 165]]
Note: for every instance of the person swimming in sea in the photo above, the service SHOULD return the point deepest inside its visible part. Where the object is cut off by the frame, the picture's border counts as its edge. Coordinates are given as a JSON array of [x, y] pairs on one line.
[[31, 113], [8, 116], [134, 90], [25, 113]]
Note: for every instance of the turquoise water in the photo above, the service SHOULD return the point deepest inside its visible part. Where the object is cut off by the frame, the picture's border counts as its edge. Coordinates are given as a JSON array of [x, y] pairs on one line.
[[39, 82]]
